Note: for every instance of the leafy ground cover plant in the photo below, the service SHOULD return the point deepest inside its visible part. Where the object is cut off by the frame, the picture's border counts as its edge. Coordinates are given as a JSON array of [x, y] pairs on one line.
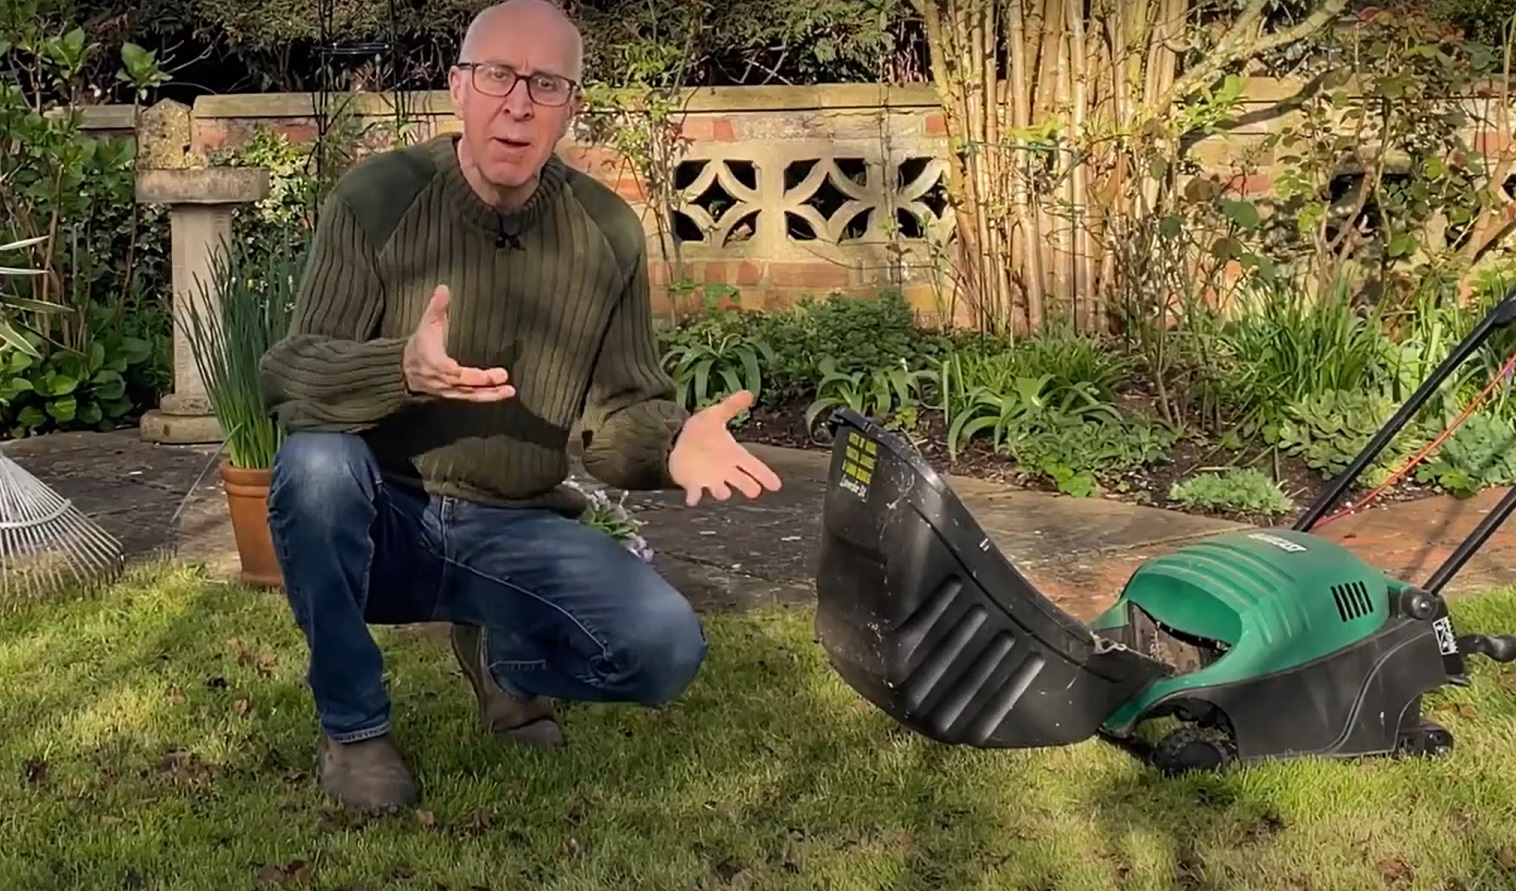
[[1235, 490]]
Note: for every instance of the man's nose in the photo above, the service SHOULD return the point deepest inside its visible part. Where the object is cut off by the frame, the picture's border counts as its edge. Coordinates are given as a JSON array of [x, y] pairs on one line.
[[519, 100]]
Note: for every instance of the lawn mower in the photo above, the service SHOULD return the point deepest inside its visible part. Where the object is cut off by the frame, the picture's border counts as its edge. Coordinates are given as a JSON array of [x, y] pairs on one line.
[[1258, 644]]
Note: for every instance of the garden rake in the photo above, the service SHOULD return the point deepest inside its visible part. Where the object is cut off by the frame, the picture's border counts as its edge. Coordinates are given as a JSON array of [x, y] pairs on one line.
[[46, 543]]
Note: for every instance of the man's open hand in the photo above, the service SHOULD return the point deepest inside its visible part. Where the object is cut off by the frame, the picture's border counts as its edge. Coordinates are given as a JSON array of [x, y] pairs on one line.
[[430, 371], [707, 458]]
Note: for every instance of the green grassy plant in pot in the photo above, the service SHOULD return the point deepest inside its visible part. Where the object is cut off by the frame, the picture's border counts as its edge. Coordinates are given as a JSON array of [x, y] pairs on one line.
[[228, 337]]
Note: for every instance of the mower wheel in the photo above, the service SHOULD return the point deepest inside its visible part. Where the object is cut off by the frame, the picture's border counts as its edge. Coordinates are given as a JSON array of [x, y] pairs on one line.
[[1193, 749], [1427, 740]]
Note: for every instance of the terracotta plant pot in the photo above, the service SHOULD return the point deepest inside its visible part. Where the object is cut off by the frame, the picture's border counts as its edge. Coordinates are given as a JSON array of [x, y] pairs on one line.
[[247, 501]]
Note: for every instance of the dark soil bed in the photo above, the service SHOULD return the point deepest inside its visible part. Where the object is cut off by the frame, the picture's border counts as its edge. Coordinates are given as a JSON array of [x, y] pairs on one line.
[[785, 426]]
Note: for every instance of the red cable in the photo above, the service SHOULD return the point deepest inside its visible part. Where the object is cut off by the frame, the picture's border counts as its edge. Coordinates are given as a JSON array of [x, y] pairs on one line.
[[1431, 447]]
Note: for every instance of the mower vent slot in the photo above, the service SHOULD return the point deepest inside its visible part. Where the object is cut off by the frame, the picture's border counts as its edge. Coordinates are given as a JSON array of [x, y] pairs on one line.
[[1352, 600]]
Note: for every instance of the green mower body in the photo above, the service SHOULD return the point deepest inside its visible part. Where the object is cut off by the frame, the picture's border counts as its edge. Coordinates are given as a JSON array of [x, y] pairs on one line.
[[1306, 647], [1252, 604]]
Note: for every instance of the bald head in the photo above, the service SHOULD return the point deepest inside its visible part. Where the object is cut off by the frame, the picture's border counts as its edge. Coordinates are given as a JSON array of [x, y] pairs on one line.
[[515, 89], [541, 19]]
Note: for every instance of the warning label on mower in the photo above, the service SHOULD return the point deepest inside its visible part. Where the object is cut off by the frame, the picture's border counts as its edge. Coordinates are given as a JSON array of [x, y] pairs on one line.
[[858, 465], [1447, 642]]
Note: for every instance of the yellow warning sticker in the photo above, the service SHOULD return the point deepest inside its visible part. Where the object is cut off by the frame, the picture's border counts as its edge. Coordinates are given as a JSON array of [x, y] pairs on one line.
[[858, 461]]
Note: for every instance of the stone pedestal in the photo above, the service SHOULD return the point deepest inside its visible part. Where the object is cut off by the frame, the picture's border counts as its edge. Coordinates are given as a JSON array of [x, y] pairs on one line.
[[200, 202]]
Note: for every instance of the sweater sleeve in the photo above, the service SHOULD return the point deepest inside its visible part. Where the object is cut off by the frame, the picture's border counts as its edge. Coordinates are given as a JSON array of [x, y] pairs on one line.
[[329, 372], [631, 417]]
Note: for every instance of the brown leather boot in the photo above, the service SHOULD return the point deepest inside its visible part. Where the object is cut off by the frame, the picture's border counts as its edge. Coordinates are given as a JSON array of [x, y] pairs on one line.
[[512, 719], [370, 775]]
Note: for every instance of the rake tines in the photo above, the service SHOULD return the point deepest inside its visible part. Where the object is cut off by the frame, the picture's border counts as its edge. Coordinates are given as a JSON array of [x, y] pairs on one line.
[[45, 542]]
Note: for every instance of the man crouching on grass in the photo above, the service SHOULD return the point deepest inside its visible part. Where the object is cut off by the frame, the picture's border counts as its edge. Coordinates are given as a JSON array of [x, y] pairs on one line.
[[465, 301]]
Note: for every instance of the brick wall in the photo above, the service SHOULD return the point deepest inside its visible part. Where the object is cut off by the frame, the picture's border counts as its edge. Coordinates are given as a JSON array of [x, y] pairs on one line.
[[792, 191]]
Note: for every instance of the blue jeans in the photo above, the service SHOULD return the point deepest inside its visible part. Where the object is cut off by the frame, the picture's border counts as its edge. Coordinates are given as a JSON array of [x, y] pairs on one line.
[[569, 613]]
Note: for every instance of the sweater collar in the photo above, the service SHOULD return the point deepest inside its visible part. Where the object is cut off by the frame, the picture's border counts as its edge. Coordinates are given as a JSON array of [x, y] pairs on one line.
[[513, 221]]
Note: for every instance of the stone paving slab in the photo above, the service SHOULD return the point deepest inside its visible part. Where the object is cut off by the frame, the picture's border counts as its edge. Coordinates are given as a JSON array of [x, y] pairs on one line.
[[1410, 540], [779, 535], [157, 501]]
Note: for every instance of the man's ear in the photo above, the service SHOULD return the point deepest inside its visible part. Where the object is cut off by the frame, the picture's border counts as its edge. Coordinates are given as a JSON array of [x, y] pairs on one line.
[[457, 82], [576, 105]]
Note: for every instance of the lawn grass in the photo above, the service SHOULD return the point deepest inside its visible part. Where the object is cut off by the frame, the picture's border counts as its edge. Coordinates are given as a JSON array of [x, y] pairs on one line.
[[159, 736]]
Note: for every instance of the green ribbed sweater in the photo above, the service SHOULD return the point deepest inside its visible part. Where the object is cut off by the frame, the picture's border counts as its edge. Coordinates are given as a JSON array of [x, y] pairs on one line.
[[556, 292]]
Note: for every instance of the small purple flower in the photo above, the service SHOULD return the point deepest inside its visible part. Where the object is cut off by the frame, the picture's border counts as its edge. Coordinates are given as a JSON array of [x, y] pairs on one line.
[[614, 519]]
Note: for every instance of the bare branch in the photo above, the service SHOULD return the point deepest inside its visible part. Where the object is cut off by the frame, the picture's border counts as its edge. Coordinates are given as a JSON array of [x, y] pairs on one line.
[[1242, 42]]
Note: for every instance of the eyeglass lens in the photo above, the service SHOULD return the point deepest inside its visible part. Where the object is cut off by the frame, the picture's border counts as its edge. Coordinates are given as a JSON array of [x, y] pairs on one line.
[[499, 80]]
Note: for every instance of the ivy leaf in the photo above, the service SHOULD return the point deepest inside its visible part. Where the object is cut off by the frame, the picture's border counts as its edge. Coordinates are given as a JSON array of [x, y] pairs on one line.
[[63, 410], [30, 418], [1400, 245], [1244, 214], [1226, 249], [108, 385]]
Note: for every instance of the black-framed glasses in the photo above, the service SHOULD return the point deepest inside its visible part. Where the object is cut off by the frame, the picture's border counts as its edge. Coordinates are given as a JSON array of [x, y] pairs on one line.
[[498, 79]]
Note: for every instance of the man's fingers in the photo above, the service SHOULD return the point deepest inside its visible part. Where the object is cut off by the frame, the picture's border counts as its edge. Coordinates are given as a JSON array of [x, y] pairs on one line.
[[694, 493], [760, 472], [750, 478], [481, 377], [743, 483], [445, 373], [487, 394], [451, 381], [479, 394]]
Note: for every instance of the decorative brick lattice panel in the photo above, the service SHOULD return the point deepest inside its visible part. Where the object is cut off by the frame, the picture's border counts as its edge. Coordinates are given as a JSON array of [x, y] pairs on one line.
[[793, 197]]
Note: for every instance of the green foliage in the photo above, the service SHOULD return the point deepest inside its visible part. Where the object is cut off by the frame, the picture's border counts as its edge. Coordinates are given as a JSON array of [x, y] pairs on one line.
[[1047, 402], [1378, 177], [10, 338], [1282, 346], [859, 334], [1487, 21], [1003, 412], [1327, 429], [1481, 453], [615, 519], [257, 294], [1070, 360], [1079, 456], [92, 324], [715, 356], [65, 389], [280, 220], [894, 393], [718, 43], [1238, 490]]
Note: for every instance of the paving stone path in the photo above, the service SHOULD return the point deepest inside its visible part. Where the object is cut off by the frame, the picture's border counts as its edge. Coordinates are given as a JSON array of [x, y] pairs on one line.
[[167, 500]]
